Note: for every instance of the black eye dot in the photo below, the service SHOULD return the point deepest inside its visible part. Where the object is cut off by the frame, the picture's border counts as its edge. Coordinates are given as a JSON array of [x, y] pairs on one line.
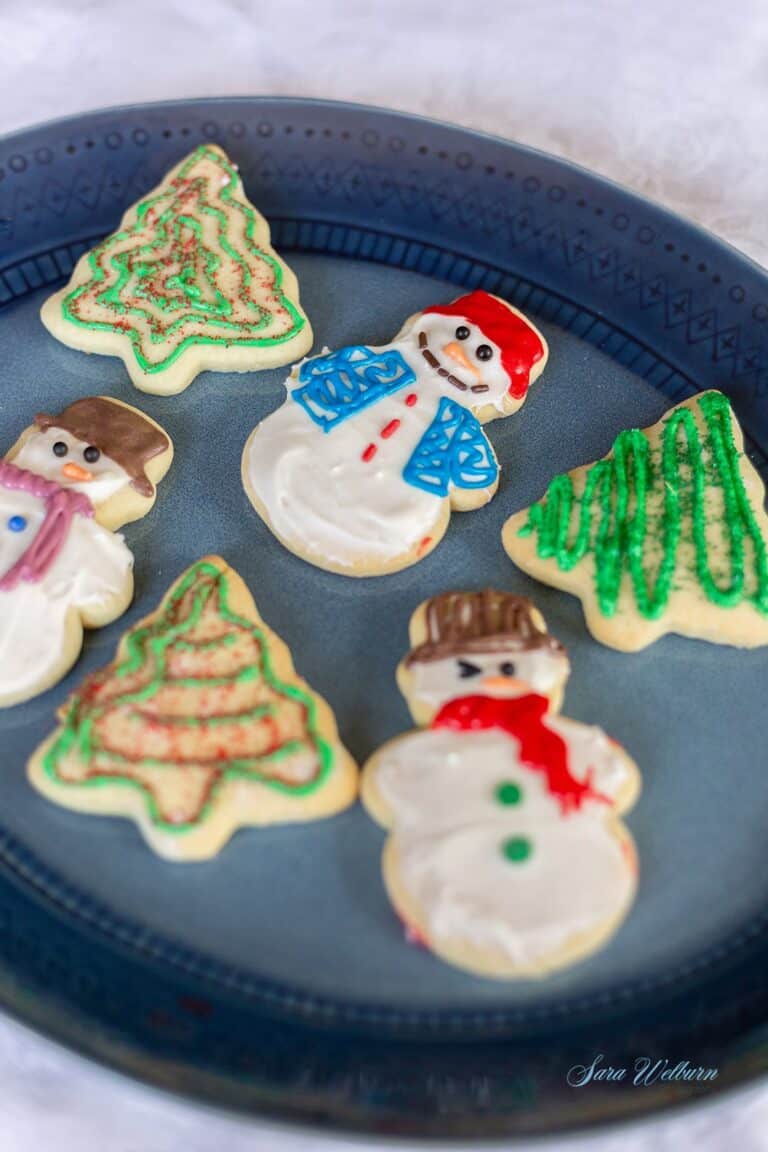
[[462, 332], [60, 448], [507, 668], [468, 669], [91, 454], [484, 352]]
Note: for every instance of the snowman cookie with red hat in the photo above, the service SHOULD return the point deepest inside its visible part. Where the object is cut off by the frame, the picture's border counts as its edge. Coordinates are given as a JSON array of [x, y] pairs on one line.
[[70, 480], [506, 853], [360, 468]]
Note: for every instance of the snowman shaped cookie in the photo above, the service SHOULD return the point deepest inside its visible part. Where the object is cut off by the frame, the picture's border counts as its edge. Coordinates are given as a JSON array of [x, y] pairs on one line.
[[360, 468], [506, 853], [67, 483]]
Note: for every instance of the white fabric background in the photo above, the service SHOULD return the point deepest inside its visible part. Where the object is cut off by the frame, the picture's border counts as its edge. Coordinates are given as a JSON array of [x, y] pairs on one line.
[[667, 96]]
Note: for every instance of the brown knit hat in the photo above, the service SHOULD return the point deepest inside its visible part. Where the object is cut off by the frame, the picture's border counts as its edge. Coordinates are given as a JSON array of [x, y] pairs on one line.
[[121, 433], [487, 621]]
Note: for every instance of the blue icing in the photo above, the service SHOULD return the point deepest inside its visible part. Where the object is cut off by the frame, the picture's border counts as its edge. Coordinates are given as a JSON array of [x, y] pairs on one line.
[[17, 523], [453, 451], [340, 384]]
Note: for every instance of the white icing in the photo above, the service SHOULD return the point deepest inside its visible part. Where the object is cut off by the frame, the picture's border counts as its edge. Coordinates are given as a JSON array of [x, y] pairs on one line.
[[37, 455], [441, 334], [14, 544], [449, 832], [593, 753], [323, 499], [91, 570], [539, 670]]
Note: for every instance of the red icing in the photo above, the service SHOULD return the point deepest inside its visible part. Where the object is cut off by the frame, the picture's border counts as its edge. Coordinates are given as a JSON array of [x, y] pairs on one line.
[[411, 399], [390, 429], [413, 936], [540, 747], [520, 344], [424, 544], [629, 856], [369, 453]]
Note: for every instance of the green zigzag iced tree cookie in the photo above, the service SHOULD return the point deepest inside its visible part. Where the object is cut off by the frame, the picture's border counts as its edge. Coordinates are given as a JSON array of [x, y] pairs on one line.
[[199, 726], [188, 282], [665, 534]]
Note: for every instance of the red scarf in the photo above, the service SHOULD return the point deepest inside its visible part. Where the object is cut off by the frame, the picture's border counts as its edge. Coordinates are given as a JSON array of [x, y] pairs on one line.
[[540, 747]]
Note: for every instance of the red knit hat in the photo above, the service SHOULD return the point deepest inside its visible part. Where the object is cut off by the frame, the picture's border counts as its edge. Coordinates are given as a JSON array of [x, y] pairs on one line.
[[520, 344]]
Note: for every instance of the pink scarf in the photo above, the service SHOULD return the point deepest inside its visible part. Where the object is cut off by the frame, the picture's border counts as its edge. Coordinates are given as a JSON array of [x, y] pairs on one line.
[[61, 506]]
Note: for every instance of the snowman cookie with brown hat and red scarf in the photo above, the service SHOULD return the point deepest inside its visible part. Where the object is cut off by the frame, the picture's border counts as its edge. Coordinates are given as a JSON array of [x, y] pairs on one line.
[[506, 852], [67, 484], [359, 470]]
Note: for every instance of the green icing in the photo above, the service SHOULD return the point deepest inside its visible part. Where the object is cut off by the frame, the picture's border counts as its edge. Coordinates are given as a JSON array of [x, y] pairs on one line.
[[151, 642], [508, 793], [183, 291], [615, 522], [517, 849]]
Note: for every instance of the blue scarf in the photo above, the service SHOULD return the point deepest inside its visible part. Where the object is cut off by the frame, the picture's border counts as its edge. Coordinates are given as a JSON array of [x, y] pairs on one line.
[[453, 451], [341, 384]]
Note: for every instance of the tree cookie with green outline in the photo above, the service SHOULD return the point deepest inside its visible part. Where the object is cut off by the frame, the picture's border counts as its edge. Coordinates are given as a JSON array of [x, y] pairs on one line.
[[198, 727], [189, 282], [667, 533]]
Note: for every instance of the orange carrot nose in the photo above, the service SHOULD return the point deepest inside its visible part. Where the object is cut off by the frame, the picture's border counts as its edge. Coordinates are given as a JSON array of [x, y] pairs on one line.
[[457, 353], [505, 684], [75, 472]]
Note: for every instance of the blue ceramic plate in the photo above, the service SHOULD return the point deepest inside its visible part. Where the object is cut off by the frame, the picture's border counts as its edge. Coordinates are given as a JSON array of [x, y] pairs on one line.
[[276, 978]]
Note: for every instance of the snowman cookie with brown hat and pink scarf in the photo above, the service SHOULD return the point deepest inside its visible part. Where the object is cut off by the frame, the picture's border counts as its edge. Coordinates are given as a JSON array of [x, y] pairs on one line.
[[506, 853], [66, 485], [360, 468]]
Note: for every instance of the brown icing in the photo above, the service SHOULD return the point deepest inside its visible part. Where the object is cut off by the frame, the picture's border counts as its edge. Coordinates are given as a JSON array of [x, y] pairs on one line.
[[123, 434], [433, 362], [487, 621]]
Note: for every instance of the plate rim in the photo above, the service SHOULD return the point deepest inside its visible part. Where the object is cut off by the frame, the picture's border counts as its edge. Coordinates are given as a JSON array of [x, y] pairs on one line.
[[430, 122]]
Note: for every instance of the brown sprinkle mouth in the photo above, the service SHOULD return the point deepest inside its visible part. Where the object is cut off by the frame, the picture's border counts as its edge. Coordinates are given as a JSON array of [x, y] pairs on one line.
[[433, 362]]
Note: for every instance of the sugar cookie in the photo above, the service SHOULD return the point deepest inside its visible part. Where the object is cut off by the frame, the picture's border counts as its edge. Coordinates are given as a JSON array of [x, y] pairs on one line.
[[665, 534], [198, 727], [506, 853], [67, 483], [189, 282], [360, 468]]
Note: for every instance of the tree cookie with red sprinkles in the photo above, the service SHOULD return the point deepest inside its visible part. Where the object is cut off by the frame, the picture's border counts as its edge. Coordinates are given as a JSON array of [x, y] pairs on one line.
[[188, 282], [198, 727]]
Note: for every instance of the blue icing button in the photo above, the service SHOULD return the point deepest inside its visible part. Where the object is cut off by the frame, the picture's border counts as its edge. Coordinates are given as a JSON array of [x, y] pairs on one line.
[[17, 523]]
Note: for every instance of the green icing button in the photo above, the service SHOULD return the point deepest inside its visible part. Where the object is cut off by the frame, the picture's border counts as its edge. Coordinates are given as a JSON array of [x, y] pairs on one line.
[[517, 849], [509, 793]]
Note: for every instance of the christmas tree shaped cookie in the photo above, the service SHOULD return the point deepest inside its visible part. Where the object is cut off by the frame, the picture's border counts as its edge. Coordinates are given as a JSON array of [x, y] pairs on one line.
[[665, 534], [506, 852], [188, 282], [199, 726]]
